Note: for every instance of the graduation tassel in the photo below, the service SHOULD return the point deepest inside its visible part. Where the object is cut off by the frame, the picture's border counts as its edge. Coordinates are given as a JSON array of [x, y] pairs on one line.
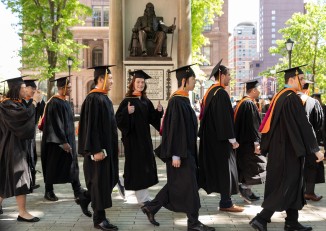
[[105, 79], [299, 83]]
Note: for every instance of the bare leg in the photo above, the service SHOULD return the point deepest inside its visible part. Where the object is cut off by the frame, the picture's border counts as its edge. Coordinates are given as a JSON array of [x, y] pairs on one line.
[[21, 203]]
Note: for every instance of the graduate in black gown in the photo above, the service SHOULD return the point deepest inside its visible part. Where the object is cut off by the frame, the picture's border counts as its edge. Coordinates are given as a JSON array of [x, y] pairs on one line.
[[98, 143], [251, 164], [58, 147], [314, 172], [179, 150], [217, 158], [17, 128], [321, 133], [134, 116], [287, 138], [30, 90]]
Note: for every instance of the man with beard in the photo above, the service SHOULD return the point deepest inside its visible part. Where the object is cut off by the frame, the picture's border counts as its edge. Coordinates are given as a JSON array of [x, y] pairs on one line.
[[251, 165], [58, 148], [314, 172], [98, 143], [150, 27], [217, 158], [179, 152], [28, 100], [287, 138]]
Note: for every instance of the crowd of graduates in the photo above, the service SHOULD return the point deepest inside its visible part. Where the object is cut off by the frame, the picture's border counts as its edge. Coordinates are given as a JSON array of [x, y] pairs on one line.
[[237, 149]]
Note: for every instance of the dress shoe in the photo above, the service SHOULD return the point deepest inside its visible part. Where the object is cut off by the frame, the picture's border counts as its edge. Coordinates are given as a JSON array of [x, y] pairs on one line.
[[233, 209], [83, 201], [35, 186], [149, 215], [257, 225], [34, 219], [121, 189], [201, 227], [1, 211], [295, 226], [144, 53], [244, 192], [106, 225], [312, 197], [254, 197], [50, 196]]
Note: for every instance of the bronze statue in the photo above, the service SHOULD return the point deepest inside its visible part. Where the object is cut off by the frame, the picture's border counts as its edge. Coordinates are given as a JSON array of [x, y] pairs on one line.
[[149, 28]]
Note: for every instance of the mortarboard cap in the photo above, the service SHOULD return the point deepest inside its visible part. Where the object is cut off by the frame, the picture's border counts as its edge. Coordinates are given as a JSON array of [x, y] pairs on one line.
[[15, 81], [316, 95], [184, 72], [101, 70], [61, 81], [292, 72], [216, 70], [250, 84], [30, 82], [139, 74]]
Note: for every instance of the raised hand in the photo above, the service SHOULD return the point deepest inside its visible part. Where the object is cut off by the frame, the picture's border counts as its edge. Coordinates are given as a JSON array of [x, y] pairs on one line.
[[131, 109]]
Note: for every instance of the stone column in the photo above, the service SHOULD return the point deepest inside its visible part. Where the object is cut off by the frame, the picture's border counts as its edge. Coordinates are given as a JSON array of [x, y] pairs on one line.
[[116, 50], [105, 50], [81, 53], [184, 33]]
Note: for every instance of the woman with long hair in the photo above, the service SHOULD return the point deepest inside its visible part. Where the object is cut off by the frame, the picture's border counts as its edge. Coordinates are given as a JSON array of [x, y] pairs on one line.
[[134, 116]]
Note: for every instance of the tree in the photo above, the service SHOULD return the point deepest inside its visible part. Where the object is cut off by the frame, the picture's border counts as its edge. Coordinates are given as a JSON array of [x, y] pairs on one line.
[[207, 10], [47, 40], [309, 33]]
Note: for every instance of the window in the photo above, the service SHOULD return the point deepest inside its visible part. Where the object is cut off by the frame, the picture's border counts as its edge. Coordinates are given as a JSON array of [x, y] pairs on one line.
[[100, 16], [273, 35], [273, 11], [257, 65], [206, 51], [97, 56], [273, 24], [273, 18], [273, 30], [273, 41], [207, 26]]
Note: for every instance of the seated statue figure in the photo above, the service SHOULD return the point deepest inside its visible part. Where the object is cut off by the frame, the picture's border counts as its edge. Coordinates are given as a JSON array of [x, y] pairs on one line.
[[149, 27]]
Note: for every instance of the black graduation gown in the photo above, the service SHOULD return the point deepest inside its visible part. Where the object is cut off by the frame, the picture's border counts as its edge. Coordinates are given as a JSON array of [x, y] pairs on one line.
[[58, 165], [179, 138], [288, 141], [140, 167], [251, 167], [97, 131], [217, 160], [314, 172], [16, 128]]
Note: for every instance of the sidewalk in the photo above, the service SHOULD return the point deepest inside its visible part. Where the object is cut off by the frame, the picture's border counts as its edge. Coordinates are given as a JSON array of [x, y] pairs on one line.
[[65, 215]]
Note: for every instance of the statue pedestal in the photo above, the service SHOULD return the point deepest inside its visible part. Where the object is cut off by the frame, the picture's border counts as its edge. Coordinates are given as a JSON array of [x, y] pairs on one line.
[[160, 85]]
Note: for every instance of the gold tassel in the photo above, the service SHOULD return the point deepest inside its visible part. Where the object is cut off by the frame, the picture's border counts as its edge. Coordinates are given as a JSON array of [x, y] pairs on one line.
[[105, 79]]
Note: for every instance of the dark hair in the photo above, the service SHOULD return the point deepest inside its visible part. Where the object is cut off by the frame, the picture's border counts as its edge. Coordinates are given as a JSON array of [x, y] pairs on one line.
[[14, 92], [223, 70], [131, 88], [96, 79]]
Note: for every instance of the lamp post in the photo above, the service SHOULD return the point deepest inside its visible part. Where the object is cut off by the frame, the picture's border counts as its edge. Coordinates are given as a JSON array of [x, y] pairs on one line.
[[69, 64], [289, 46]]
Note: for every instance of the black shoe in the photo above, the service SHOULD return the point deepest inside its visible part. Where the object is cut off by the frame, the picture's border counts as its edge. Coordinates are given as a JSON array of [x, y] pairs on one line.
[[144, 53], [253, 197], [245, 194], [201, 227], [1, 211], [121, 189], [35, 186], [295, 226], [50, 196], [34, 219], [149, 215], [257, 225], [105, 225], [83, 201]]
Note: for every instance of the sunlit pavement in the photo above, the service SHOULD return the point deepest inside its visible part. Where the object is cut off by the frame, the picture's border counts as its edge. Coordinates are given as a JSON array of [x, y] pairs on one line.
[[126, 214]]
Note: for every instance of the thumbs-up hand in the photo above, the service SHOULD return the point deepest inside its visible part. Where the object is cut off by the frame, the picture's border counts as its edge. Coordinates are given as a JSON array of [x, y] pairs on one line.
[[131, 109], [159, 106]]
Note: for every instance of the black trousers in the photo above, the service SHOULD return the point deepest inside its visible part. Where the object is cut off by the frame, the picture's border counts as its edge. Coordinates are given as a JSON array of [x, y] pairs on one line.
[[75, 184], [162, 199], [99, 216], [265, 215]]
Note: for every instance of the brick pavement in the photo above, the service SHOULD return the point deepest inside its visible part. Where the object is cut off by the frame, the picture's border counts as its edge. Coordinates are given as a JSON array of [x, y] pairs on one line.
[[65, 215]]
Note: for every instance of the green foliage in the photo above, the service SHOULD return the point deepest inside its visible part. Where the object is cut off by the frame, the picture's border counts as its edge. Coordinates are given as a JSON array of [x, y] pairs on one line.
[[202, 12], [308, 31], [47, 40]]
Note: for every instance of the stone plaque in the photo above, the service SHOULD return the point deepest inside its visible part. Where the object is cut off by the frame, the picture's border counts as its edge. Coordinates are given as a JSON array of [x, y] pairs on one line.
[[155, 85]]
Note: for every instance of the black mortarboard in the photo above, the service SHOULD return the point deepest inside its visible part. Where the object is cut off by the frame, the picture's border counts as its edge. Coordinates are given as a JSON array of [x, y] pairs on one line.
[[139, 74], [61, 81], [30, 82], [101, 70], [250, 84], [306, 85], [184, 72], [316, 95], [15, 81], [216, 70], [292, 72]]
